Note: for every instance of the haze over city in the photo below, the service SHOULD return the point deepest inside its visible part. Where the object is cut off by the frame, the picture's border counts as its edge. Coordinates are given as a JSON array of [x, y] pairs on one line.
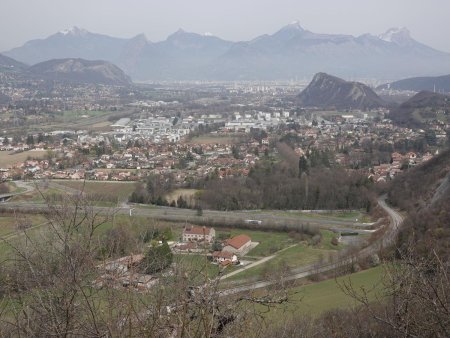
[[248, 169], [231, 20]]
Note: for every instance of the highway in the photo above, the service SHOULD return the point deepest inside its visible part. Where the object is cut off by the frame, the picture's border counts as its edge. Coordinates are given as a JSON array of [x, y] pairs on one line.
[[292, 218], [186, 215]]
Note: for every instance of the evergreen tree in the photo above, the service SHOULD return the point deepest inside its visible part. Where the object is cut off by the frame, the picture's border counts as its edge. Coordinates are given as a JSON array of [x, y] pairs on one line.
[[303, 166], [157, 258], [30, 140], [181, 203]]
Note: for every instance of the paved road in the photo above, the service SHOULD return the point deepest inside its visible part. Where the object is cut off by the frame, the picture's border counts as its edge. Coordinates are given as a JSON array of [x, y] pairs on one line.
[[27, 186], [389, 237], [251, 265]]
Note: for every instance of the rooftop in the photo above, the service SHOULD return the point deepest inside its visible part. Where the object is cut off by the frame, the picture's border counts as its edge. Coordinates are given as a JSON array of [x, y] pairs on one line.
[[238, 241]]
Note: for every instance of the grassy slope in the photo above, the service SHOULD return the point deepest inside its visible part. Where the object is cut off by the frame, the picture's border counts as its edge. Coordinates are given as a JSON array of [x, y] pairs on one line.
[[120, 189], [8, 223], [296, 256], [317, 298]]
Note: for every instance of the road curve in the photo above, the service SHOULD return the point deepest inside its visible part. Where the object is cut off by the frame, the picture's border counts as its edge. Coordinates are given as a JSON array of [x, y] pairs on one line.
[[396, 220]]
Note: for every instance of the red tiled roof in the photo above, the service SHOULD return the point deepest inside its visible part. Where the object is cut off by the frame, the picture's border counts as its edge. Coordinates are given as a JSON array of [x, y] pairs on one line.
[[238, 241], [188, 246], [223, 254], [197, 230]]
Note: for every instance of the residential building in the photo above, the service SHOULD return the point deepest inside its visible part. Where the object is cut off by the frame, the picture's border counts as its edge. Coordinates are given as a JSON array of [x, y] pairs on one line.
[[238, 245], [195, 233], [223, 256]]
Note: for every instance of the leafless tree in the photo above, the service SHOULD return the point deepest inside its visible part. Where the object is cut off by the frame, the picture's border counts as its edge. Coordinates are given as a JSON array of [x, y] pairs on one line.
[[54, 283], [416, 296]]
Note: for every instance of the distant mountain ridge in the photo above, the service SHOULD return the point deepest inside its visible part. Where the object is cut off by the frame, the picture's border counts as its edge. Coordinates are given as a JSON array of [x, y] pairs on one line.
[[428, 83], [73, 43], [291, 52], [327, 91], [80, 71]]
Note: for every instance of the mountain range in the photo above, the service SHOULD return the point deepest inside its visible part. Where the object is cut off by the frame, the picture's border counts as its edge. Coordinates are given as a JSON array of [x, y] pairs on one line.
[[292, 52], [327, 91]]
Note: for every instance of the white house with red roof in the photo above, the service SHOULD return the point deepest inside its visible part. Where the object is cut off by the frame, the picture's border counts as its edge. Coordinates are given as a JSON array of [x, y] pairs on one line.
[[224, 256]]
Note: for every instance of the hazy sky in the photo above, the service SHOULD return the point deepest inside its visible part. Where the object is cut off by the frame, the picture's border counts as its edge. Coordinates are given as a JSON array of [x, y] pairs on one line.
[[23, 20]]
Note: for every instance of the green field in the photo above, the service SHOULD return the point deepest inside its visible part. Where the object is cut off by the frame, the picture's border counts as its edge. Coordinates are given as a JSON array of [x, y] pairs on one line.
[[13, 188], [213, 139], [291, 258], [81, 114], [355, 216], [8, 159], [185, 193], [137, 226], [119, 190], [317, 298], [37, 196], [8, 224], [295, 254], [103, 194]]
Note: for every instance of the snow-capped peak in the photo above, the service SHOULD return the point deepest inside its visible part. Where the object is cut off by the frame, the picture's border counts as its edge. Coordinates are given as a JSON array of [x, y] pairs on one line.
[[396, 35], [295, 24], [75, 31], [290, 31], [207, 34]]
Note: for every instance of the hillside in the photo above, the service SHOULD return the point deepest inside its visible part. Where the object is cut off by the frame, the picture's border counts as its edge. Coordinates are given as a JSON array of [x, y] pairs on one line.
[[417, 84], [80, 71], [421, 107], [8, 64], [424, 192], [326, 91]]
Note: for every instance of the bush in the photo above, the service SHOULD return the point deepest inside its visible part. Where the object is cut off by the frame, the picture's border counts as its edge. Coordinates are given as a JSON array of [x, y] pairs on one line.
[[374, 260], [4, 188], [316, 239], [157, 258], [335, 241]]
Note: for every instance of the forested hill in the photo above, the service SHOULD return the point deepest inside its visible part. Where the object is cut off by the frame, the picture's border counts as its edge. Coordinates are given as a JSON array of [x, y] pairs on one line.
[[424, 192], [310, 182], [422, 107]]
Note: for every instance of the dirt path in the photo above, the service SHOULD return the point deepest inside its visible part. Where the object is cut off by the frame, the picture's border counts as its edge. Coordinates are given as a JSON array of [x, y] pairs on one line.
[[251, 265]]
